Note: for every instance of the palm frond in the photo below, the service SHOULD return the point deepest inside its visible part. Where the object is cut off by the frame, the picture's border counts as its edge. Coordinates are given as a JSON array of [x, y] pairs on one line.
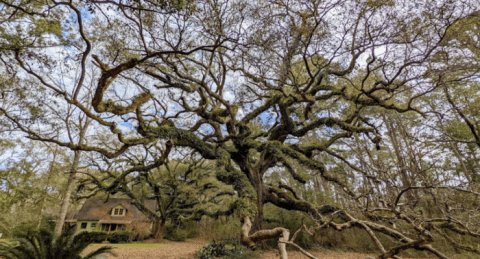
[[81, 241], [101, 250], [42, 245], [11, 251]]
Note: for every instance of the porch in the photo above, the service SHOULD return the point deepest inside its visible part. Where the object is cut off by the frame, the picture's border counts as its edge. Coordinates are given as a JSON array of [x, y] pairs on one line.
[[108, 227]]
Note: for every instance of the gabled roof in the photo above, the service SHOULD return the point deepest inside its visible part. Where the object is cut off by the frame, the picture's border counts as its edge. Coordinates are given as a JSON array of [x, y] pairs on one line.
[[120, 205], [101, 209]]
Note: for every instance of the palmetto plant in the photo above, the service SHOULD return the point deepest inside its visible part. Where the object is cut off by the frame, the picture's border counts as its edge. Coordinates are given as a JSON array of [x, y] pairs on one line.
[[42, 245]]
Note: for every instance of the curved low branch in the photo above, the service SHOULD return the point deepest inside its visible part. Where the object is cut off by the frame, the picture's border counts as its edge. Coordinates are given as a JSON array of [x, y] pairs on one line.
[[251, 240]]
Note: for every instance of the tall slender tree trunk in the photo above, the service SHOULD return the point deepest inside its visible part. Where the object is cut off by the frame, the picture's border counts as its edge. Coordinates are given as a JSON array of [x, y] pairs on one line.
[[459, 156], [71, 180], [67, 194], [392, 133]]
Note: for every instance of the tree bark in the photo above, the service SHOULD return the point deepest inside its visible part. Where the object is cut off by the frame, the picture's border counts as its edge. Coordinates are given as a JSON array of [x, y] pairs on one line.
[[251, 240], [66, 196], [71, 179], [259, 188], [157, 230]]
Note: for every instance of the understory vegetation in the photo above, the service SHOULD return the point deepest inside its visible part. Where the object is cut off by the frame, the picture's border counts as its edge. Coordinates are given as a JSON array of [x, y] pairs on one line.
[[218, 249]]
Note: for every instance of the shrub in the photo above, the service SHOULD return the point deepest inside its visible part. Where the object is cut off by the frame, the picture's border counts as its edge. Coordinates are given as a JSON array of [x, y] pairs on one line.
[[119, 237], [139, 230], [191, 229], [98, 236], [212, 250], [175, 233], [217, 249], [112, 237], [181, 231], [241, 252]]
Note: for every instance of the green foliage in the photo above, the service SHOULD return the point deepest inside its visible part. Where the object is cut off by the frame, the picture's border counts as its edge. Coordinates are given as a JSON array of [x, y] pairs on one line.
[[217, 249], [29, 184], [41, 244], [292, 220], [226, 231], [181, 231], [25, 227], [183, 191], [212, 250], [174, 234], [459, 131], [47, 26], [115, 237], [119, 237], [98, 236], [191, 229]]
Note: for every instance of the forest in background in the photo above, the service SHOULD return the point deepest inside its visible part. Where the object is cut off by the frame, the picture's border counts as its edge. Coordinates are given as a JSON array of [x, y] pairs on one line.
[[346, 124]]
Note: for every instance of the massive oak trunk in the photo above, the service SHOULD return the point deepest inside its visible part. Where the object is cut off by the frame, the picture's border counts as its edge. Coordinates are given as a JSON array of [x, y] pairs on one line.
[[158, 226]]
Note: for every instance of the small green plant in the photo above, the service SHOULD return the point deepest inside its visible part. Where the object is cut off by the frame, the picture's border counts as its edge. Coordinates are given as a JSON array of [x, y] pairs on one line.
[[212, 250], [217, 249], [241, 252]]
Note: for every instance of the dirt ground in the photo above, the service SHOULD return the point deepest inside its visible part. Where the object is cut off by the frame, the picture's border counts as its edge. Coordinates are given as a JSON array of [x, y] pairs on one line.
[[320, 255], [165, 249]]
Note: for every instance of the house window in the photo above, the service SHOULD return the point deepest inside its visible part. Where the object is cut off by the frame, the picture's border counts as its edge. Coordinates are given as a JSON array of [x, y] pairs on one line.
[[118, 212], [93, 225], [83, 225]]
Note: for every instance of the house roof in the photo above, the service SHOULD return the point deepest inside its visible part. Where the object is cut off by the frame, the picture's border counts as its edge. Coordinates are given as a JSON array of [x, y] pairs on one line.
[[101, 209]]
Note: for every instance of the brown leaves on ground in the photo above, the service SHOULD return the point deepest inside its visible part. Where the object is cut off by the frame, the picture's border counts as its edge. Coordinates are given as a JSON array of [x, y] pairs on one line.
[[165, 249], [322, 255]]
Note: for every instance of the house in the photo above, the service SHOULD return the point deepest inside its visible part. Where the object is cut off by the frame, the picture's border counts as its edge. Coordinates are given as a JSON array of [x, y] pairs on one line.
[[100, 214]]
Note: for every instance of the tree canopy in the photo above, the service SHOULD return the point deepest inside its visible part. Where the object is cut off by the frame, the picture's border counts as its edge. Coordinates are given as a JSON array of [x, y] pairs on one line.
[[374, 100]]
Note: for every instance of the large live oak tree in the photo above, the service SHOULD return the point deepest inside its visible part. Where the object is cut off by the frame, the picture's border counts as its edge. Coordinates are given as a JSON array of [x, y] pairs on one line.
[[243, 83]]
